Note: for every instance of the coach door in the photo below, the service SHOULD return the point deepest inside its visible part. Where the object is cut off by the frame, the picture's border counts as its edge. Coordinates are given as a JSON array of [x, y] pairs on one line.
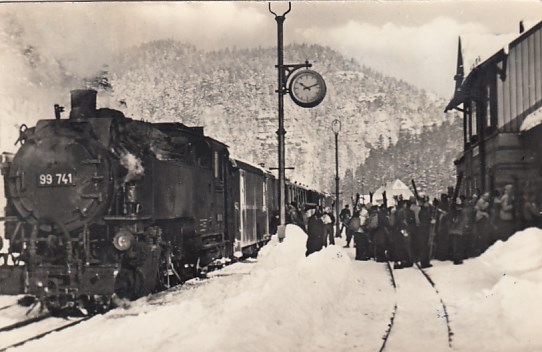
[[242, 205], [264, 206]]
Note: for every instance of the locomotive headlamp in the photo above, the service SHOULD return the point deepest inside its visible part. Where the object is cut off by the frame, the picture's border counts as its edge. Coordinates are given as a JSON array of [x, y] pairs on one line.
[[123, 240]]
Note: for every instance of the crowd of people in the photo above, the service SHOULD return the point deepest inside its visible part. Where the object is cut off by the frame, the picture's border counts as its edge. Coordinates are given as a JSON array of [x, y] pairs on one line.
[[417, 230]]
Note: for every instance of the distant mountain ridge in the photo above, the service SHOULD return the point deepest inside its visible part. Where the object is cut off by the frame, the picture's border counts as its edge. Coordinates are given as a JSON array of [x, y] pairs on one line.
[[231, 93]]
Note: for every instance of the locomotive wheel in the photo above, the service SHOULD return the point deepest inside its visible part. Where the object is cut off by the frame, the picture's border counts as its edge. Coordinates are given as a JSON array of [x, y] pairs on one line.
[[95, 305]]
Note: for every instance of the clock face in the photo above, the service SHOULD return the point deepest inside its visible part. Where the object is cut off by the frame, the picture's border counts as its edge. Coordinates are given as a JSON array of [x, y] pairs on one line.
[[307, 88]]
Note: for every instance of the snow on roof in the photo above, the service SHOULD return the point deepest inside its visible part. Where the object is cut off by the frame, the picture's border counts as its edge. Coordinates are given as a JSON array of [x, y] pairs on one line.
[[250, 163], [297, 181], [392, 189], [393, 185], [532, 120], [478, 47]]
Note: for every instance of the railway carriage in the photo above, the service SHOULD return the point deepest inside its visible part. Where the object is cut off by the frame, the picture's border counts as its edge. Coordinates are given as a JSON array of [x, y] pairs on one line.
[[250, 195]]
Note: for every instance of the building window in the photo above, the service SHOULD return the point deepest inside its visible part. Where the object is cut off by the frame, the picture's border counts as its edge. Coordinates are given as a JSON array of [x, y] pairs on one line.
[[473, 121]]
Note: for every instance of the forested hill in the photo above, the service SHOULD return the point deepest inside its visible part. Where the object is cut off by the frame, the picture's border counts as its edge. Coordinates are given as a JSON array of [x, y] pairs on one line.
[[426, 158], [232, 94]]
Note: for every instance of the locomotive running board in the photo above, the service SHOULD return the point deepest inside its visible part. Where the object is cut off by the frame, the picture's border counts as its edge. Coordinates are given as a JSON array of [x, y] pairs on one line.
[[126, 217]]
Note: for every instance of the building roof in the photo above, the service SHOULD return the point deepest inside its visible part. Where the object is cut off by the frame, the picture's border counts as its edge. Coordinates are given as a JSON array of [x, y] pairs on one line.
[[392, 189], [476, 49], [479, 47]]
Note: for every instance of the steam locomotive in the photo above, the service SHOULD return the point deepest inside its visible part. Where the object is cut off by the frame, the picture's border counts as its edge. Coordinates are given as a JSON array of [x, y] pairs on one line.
[[102, 206]]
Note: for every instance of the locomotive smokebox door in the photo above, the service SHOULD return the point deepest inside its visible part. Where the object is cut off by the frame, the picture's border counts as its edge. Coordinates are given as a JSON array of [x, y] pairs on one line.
[[58, 178]]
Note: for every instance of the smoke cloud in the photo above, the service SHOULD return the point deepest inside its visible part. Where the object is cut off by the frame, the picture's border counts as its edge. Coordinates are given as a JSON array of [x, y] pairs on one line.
[[133, 165]]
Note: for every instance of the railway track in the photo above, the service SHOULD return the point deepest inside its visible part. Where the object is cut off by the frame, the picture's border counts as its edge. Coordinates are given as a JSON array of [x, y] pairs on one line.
[[34, 328], [20, 333], [444, 309], [23, 323], [8, 306], [392, 319], [406, 310]]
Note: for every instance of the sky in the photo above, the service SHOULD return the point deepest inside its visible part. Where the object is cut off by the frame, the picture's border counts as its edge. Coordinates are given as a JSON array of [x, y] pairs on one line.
[[412, 40], [284, 301]]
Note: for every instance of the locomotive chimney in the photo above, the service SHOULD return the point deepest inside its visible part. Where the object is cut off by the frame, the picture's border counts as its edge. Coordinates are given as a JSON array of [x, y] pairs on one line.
[[83, 103]]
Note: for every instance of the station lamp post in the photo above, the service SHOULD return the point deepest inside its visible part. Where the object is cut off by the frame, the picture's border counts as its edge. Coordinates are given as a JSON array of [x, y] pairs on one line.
[[336, 127], [307, 89], [362, 181]]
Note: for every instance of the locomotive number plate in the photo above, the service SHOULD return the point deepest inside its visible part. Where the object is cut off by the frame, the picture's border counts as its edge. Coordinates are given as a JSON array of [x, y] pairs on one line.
[[57, 179]]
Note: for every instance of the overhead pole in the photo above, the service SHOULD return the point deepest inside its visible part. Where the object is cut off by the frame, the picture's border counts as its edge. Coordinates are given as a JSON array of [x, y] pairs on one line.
[[284, 71], [281, 132], [336, 127]]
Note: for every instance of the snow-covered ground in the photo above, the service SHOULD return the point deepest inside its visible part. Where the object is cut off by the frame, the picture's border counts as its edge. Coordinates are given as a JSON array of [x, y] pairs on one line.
[[284, 301]]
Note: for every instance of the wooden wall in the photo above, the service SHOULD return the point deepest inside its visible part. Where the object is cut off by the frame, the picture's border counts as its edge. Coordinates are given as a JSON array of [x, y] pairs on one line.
[[520, 93]]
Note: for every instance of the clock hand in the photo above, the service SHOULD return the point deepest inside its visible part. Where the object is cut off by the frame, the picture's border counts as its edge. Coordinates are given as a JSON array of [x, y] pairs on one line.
[[309, 87], [304, 86]]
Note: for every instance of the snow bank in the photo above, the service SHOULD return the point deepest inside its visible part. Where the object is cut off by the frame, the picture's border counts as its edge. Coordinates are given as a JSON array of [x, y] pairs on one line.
[[284, 301], [495, 299], [280, 304], [518, 262], [520, 256]]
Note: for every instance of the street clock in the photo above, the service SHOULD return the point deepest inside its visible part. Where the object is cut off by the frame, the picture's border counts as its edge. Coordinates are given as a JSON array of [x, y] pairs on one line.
[[307, 88]]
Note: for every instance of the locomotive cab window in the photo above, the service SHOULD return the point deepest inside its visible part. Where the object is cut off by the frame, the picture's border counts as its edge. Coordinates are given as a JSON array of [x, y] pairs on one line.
[[218, 166], [203, 154]]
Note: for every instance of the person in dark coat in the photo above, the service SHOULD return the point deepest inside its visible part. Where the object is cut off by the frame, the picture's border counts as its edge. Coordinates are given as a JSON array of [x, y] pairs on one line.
[[344, 218], [423, 231], [442, 237], [412, 232], [402, 248], [530, 211], [394, 248], [316, 230], [457, 225], [381, 237], [351, 228], [358, 225], [494, 211], [469, 240], [329, 221], [507, 213], [412, 221], [481, 224], [371, 227]]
